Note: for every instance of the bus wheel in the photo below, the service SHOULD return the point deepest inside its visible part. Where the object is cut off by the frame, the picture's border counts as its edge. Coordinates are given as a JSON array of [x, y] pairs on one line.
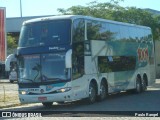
[[138, 85], [144, 85], [47, 104], [92, 93], [11, 81], [103, 91]]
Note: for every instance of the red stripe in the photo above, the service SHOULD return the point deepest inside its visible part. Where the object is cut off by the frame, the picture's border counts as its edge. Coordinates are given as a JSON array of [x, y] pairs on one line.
[[3, 40], [2, 36]]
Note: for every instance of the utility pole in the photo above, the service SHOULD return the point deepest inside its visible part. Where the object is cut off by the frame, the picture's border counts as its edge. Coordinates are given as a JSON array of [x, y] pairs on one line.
[[21, 8]]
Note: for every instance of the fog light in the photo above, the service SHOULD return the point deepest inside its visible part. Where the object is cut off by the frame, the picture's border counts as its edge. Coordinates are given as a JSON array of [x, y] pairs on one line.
[[64, 89]]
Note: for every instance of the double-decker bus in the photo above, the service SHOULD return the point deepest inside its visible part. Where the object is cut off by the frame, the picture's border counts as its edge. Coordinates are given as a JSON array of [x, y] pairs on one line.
[[72, 57]]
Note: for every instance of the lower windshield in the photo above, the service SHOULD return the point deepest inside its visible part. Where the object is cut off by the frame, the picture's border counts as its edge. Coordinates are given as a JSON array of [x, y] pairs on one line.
[[42, 68]]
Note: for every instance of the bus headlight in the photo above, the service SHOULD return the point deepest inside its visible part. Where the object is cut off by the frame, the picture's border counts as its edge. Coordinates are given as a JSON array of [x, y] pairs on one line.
[[22, 92], [64, 89]]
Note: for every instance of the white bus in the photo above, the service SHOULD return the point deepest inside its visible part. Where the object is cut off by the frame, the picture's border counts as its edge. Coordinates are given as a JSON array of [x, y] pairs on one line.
[[68, 58]]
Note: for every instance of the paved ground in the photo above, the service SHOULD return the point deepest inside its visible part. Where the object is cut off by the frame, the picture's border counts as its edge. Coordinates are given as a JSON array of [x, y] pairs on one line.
[[13, 93]]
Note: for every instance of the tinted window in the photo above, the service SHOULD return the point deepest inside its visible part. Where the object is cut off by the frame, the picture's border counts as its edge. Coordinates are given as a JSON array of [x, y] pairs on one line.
[[93, 28], [45, 33], [78, 60], [78, 30], [115, 30], [140, 34], [78, 48], [147, 35], [124, 31], [116, 63], [133, 33], [98, 30]]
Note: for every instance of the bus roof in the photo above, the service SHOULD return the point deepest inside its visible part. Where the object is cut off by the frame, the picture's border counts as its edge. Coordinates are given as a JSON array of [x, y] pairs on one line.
[[81, 16]]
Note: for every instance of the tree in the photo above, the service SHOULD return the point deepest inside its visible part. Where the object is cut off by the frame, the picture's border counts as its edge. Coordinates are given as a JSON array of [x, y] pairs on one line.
[[11, 44], [113, 11]]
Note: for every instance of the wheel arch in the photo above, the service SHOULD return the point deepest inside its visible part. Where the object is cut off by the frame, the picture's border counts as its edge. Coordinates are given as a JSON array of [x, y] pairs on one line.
[[139, 78]]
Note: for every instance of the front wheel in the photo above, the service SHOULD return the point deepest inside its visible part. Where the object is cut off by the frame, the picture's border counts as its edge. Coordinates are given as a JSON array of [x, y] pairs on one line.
[[47, 104]]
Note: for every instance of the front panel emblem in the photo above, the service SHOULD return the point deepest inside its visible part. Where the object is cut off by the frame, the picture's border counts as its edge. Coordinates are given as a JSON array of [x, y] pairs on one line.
[[42, 91]]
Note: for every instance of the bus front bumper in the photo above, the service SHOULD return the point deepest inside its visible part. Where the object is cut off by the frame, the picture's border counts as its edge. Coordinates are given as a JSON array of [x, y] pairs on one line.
[[56, 97]]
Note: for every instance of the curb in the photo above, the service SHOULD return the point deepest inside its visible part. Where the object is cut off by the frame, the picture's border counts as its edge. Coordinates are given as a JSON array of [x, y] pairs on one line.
[[10, 105]]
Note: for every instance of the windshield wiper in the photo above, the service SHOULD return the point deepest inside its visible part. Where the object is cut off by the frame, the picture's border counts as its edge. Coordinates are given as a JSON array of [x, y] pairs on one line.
[[45, 79], [27, 79], [56, 79]]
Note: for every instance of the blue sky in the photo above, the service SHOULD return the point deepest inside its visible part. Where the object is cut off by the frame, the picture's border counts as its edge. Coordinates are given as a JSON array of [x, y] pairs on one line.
[[49, 7]]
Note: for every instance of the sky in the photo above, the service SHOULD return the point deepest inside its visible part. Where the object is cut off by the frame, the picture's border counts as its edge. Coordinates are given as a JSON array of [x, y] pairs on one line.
[[49, 7]]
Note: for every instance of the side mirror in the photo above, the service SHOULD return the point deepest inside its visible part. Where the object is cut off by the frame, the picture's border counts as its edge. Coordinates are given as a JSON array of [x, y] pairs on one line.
[[15, 55], [68, 59], [8, 60]]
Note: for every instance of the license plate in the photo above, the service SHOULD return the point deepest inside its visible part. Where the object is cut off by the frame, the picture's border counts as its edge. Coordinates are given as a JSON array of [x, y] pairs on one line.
[[42, 98]]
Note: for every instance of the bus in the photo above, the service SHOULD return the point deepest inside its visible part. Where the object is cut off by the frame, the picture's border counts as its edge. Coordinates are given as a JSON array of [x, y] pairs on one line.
[[73, 57]]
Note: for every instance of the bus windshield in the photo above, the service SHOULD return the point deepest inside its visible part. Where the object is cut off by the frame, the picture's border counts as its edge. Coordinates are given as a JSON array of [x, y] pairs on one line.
[[45, 33], [42, 68]]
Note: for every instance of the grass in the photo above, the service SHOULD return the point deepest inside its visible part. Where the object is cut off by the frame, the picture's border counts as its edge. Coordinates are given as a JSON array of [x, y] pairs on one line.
[[8, 97]]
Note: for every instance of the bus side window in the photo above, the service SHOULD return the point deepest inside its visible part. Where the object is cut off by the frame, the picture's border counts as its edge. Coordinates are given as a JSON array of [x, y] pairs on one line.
[[78, 48], [78, 30]]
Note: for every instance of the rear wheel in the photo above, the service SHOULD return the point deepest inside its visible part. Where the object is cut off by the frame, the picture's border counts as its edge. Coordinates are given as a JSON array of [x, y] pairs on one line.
[[11, 81], [92, 93], [47, 104], [144, 84], [60, 102], [103, 91]]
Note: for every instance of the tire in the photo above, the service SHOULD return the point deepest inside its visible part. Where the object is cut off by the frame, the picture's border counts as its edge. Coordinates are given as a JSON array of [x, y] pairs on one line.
[[47, 104], [138, 85], [103, 91], [144, 85], [60, 102], [11, 81], [92, 93]]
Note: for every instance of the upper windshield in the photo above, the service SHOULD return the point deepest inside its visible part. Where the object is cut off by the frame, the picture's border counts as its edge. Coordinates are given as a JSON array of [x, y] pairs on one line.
[[43, 68], [45, 33]]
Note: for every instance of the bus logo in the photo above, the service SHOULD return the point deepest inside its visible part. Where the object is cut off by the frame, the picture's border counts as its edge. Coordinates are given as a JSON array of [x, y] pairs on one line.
[[42, 91], [142, 54]]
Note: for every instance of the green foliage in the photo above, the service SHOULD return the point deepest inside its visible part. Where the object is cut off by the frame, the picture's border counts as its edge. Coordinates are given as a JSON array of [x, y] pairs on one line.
[[113, 11], [11, 42]]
